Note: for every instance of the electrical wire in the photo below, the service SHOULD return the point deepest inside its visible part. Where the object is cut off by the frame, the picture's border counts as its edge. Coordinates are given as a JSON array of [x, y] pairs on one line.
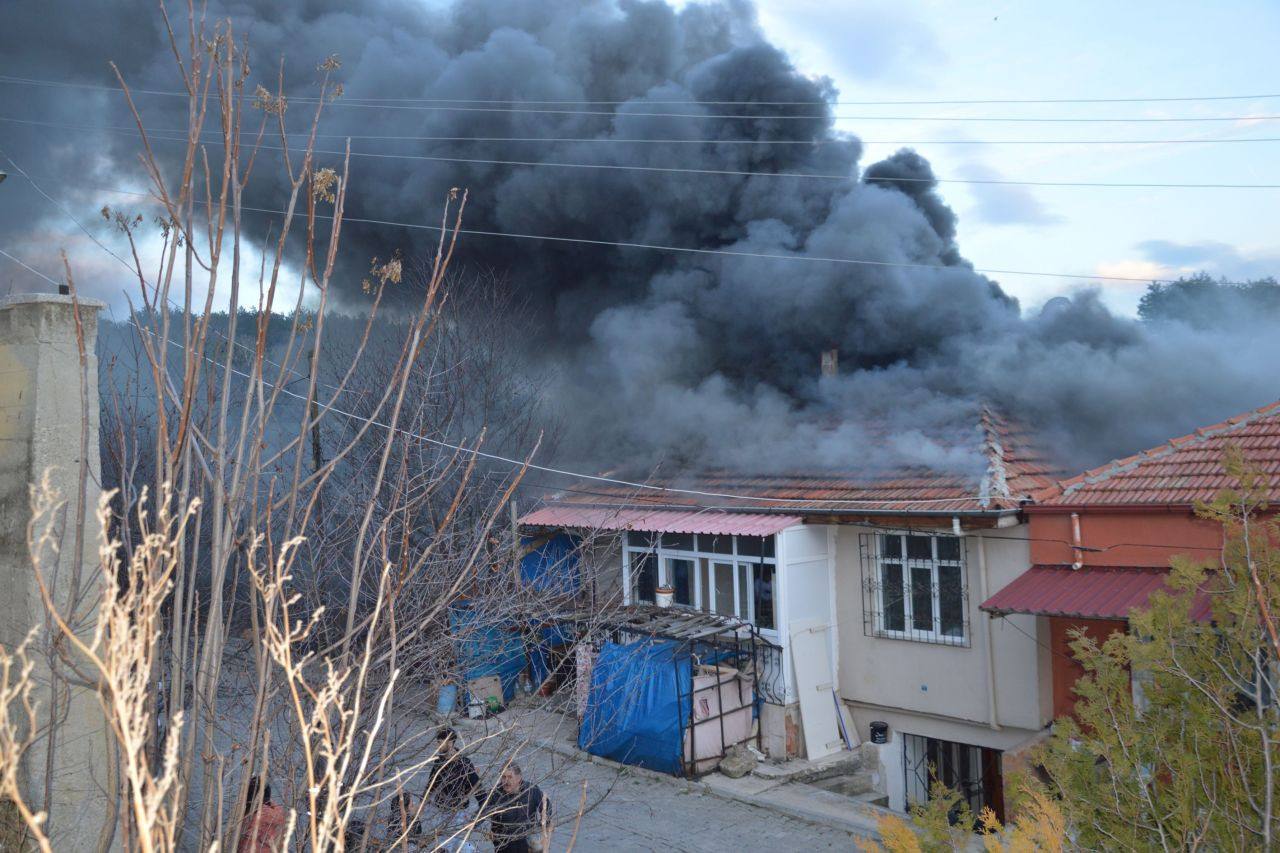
[[432, 105], [158, 136], [215, 135]]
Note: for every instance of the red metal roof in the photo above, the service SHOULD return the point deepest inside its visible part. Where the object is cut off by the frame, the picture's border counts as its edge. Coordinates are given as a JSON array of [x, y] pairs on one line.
[[1181, 471], [1087, 593], [661, 521]]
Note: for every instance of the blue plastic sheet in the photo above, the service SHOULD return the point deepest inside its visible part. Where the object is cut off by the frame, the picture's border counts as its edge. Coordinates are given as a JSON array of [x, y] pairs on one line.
[[635, 713], [488, 649], [552, 565]]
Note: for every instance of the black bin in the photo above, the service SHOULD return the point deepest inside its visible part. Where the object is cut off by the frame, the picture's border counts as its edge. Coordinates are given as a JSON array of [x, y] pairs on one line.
[[879, 731]]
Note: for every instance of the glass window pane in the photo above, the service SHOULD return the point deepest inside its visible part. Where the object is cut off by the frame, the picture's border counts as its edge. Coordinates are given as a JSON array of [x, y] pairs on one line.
[[681, 574], [921, 598], [890, 546], [893, 606], [919, 547], [750, 546], [744, 588], [950, 601], [724, 588], [644, 576], [705, 585], [678, 541], [949, 548], [715, 544], [767, 545], [763, 591]]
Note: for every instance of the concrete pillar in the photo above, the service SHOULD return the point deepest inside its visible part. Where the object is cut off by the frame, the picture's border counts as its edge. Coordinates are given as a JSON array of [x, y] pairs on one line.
[[40, 434]]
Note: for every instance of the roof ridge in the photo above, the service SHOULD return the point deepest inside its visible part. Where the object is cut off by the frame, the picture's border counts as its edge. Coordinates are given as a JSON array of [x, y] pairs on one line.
[[1102, 473]]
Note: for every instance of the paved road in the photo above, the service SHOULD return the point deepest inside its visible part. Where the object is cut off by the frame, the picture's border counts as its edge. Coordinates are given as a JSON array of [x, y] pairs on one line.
[[630, 811]]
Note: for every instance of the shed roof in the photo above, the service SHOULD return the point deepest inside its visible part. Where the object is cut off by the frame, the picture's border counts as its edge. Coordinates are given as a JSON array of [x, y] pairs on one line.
[[1087, 593]]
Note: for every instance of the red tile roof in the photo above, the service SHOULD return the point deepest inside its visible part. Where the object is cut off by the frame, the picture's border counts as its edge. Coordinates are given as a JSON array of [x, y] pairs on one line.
[[1014, 469], [1181, 471], [710, 522], [1087, 593]]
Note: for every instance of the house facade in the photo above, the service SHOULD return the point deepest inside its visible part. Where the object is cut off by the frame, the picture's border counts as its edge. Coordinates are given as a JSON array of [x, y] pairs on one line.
[[868, 593], [1102, 542]]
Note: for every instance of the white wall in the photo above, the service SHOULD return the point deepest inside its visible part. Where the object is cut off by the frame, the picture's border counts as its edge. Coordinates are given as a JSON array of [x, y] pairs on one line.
[[806, 582], [943, 680]]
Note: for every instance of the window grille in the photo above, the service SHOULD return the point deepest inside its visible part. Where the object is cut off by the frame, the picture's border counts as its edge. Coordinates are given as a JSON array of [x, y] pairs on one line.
[[914, 587]]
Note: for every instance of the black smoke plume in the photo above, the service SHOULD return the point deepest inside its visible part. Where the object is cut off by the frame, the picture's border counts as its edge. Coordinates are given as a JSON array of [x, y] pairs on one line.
[[702, 357]]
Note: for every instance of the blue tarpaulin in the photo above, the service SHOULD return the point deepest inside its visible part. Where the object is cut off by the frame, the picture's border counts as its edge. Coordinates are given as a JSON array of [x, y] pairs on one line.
[[487, 649], [551, 564], [635, 713]]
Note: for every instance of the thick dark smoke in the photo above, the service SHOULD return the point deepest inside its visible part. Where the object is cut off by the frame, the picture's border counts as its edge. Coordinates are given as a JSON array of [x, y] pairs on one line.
[[709, 358]]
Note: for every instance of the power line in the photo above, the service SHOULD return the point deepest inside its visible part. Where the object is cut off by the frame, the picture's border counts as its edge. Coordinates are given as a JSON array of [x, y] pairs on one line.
[[684, 249], [456, 107], [625, 167], [714, 103], [296, 375], [133, 130]]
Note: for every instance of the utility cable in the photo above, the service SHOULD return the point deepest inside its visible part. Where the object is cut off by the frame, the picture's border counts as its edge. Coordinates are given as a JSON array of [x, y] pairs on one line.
[[740, 173], [455, 106], [180, 133], [684, 249]]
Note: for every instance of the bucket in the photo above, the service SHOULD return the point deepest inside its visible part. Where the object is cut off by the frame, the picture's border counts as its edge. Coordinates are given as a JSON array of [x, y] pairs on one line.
[[664, 596], [447, 700], [879, 731]]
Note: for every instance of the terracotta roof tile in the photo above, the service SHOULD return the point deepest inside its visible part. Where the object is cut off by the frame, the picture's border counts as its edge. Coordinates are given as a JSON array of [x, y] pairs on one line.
[[1015, 468], [1180, 471]]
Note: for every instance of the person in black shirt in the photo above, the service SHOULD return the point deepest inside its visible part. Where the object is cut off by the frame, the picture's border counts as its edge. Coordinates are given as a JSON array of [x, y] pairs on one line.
[[453, 781], [517, 812]]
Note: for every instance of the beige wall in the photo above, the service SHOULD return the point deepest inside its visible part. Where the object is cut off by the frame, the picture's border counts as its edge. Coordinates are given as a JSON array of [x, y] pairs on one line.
[[40, 434], [947, 682]]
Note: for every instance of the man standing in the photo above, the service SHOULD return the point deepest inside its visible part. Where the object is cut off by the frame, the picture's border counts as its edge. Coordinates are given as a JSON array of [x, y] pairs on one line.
[[518, 813]]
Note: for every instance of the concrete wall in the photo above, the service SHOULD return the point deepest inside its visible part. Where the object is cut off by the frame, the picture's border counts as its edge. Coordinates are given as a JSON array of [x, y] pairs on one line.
[[40, 434], [950, 682]]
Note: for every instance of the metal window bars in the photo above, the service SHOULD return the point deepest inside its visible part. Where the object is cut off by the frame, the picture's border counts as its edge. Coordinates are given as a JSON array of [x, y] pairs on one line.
[[913, 587]]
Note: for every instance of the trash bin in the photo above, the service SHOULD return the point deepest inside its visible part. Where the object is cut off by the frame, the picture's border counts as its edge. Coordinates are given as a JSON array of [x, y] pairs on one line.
[[879, 731]]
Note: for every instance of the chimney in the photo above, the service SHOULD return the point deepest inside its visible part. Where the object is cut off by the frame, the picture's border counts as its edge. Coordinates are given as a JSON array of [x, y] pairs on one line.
[[830, 362]]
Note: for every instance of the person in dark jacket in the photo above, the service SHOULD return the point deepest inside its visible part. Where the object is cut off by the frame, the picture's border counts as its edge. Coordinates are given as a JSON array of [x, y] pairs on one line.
[[517, 811], [454, 781]]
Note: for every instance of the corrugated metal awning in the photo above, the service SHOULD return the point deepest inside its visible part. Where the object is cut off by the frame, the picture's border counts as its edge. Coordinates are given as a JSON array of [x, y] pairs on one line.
[[710, 522], [1089, 593]]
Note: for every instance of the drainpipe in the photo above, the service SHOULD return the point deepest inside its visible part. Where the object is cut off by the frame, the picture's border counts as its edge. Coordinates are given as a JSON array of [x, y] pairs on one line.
[[983, 584], [1077, 551]]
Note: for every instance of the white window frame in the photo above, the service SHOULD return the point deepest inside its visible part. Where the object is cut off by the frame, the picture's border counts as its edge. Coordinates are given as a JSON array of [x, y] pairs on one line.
[[909, 632], [740, 564]]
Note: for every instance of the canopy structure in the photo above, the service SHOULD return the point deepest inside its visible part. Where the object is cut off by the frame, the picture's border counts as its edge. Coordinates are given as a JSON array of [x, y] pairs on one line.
[[705, 521], [1087, 593]]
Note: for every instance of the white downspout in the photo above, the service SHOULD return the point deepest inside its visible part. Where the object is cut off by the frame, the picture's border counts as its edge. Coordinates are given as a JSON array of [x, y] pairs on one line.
[[1077, 552], [994, 716]]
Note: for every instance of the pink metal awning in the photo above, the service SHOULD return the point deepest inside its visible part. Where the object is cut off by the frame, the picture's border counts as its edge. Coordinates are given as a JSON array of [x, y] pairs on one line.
[[710, 522]]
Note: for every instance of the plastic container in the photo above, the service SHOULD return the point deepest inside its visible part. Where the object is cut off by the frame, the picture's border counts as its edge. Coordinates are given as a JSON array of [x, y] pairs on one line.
[[879, 731], [447, 700], [664, 596]]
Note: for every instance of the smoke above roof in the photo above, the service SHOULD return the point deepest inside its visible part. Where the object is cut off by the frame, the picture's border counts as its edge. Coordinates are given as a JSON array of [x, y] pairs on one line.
[[708, 356]]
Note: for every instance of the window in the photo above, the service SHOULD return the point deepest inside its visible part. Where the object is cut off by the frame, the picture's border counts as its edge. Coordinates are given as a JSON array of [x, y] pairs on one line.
[[913, 588], [728, 575], [972, 771]]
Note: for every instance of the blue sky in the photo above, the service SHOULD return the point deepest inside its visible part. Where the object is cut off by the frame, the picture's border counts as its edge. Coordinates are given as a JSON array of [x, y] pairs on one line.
[[927, 50]]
